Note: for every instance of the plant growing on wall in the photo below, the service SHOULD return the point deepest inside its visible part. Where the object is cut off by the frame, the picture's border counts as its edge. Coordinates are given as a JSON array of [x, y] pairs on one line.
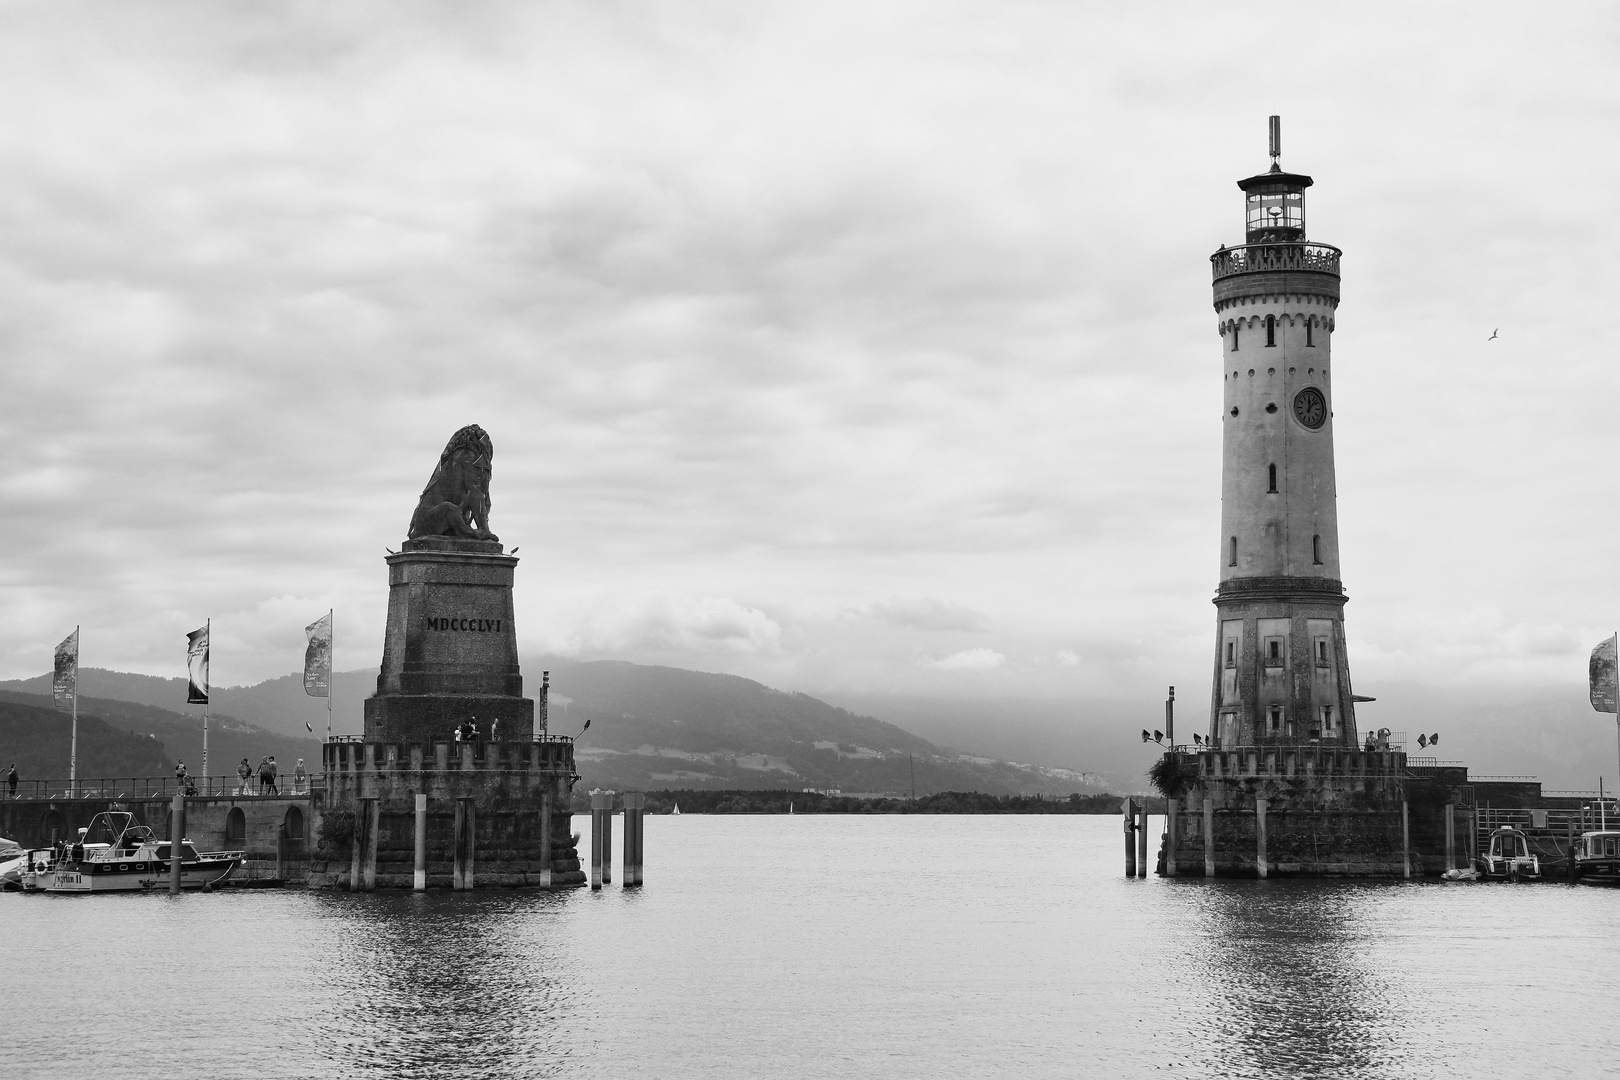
[[1166, 777], [337, 829]]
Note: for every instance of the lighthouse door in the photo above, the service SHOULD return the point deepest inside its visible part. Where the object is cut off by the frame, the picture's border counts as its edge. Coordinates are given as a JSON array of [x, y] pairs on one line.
[[1229, 730]]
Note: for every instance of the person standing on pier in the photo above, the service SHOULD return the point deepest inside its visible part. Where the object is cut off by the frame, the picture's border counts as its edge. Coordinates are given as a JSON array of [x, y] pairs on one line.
[[11, 780], [264, 774], [300, 778], [275, 789]]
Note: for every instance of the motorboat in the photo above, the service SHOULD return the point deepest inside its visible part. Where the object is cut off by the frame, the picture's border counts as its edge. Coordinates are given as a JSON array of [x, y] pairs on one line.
[[1597, 857], [118, 854], [1508, 857]]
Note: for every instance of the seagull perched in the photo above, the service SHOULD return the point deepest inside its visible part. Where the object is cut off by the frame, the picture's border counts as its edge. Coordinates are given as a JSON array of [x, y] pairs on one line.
[[1493, 335]]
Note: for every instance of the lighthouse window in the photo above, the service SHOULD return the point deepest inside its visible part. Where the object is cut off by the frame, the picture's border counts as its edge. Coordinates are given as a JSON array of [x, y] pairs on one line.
[[1309, 344], [1274, 719], [1231, 552], [1271, 331], [1321, 654], [1234, 340], [1316, 549], [1273, 488], [1231, 654], [1327, 719]]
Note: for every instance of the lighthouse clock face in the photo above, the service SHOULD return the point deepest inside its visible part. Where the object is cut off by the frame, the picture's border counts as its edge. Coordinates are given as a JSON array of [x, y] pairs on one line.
[[1310, 408]]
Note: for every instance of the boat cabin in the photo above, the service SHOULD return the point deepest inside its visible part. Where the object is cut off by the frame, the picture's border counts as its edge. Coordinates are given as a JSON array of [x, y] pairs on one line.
[[1508, 856]]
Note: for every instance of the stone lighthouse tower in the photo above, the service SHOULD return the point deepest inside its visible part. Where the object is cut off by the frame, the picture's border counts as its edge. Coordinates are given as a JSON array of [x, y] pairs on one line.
[[1281, 675]]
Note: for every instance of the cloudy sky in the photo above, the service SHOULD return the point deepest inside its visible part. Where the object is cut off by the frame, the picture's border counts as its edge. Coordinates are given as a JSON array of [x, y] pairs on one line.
[[849, 346]]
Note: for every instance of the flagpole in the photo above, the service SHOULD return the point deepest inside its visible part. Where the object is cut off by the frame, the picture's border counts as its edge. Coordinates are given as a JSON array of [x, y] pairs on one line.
[[331, 672], [208, 637], [1617, 693], [73, 747]]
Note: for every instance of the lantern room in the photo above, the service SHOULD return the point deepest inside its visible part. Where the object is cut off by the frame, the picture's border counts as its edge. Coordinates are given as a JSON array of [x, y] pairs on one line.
[[1275, 199], [1276, 206]]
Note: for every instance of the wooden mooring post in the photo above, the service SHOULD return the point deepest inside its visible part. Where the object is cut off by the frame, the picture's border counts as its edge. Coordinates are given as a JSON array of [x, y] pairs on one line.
[[1406, 843], [1209, 837], [598, 827], [462, 875], [1141, 841], [1451, 836], [1570, 824], [177, 831], [419, 874], [607, 841], [545, 840], [1130, 838], [363, 856], [635, 805], [1260, 867], [1170, 832]]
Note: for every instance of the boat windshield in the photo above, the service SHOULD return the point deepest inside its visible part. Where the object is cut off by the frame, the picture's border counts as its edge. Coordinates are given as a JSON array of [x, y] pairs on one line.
[[1511, 845], [108, 827]]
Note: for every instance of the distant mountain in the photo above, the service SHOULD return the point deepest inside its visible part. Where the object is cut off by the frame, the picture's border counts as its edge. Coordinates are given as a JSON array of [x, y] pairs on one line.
[[277, 705], [38, 738], [659, 727], [650, 727], [175, 734]]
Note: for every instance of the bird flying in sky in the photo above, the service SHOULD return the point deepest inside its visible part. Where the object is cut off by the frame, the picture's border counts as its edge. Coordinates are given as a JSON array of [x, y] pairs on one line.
[[1493, 335]]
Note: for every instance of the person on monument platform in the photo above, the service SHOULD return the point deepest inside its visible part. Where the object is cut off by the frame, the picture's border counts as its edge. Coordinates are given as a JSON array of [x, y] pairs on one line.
[[300, 778], [11, 780], [275, 771], [244, 774], [472, 730], [494, 725], [264, 774]]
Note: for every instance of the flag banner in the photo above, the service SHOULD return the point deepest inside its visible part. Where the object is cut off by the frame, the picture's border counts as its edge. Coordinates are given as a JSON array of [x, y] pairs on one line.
[[1603, 680], [318, 657], [197, 666], [65, 684]]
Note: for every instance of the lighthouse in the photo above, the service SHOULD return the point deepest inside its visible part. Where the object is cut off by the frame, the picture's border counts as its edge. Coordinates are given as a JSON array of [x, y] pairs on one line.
[[1281, 673]]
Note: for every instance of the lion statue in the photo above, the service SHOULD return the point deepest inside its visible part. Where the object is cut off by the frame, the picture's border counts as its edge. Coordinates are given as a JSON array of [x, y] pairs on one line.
[[456, 499]]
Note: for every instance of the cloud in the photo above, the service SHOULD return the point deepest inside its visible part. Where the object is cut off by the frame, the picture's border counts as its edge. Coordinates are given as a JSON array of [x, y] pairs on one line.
[[970, 660], [922, 613], [806, 308], [664, 624]]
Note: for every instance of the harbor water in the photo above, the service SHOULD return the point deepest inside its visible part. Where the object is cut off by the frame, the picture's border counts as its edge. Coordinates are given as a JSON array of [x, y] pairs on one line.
[[824, 946]]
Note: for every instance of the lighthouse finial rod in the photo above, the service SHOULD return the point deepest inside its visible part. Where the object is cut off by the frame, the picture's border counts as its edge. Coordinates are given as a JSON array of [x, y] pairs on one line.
[[1276, 138]]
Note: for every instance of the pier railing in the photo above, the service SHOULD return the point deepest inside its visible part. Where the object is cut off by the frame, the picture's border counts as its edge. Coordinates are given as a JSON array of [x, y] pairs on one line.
[[159, 787]]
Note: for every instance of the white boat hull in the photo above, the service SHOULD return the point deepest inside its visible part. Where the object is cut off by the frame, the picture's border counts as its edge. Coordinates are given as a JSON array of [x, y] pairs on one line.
[[129, 876]]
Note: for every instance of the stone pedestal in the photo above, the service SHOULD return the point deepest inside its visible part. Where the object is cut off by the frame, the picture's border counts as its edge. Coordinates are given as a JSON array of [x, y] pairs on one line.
[[450, 653]]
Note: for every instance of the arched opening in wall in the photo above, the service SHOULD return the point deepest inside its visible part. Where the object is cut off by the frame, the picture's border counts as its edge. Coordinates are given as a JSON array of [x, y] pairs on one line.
[[1234, 337], [293, 826], [50, 827], [1310, 343], [235, 828], [1316, 549], [1272, 490], [1231, 553], [1271, 331]]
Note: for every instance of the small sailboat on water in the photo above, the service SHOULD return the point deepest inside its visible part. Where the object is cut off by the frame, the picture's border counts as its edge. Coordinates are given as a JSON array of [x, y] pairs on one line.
[[677, 809]]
